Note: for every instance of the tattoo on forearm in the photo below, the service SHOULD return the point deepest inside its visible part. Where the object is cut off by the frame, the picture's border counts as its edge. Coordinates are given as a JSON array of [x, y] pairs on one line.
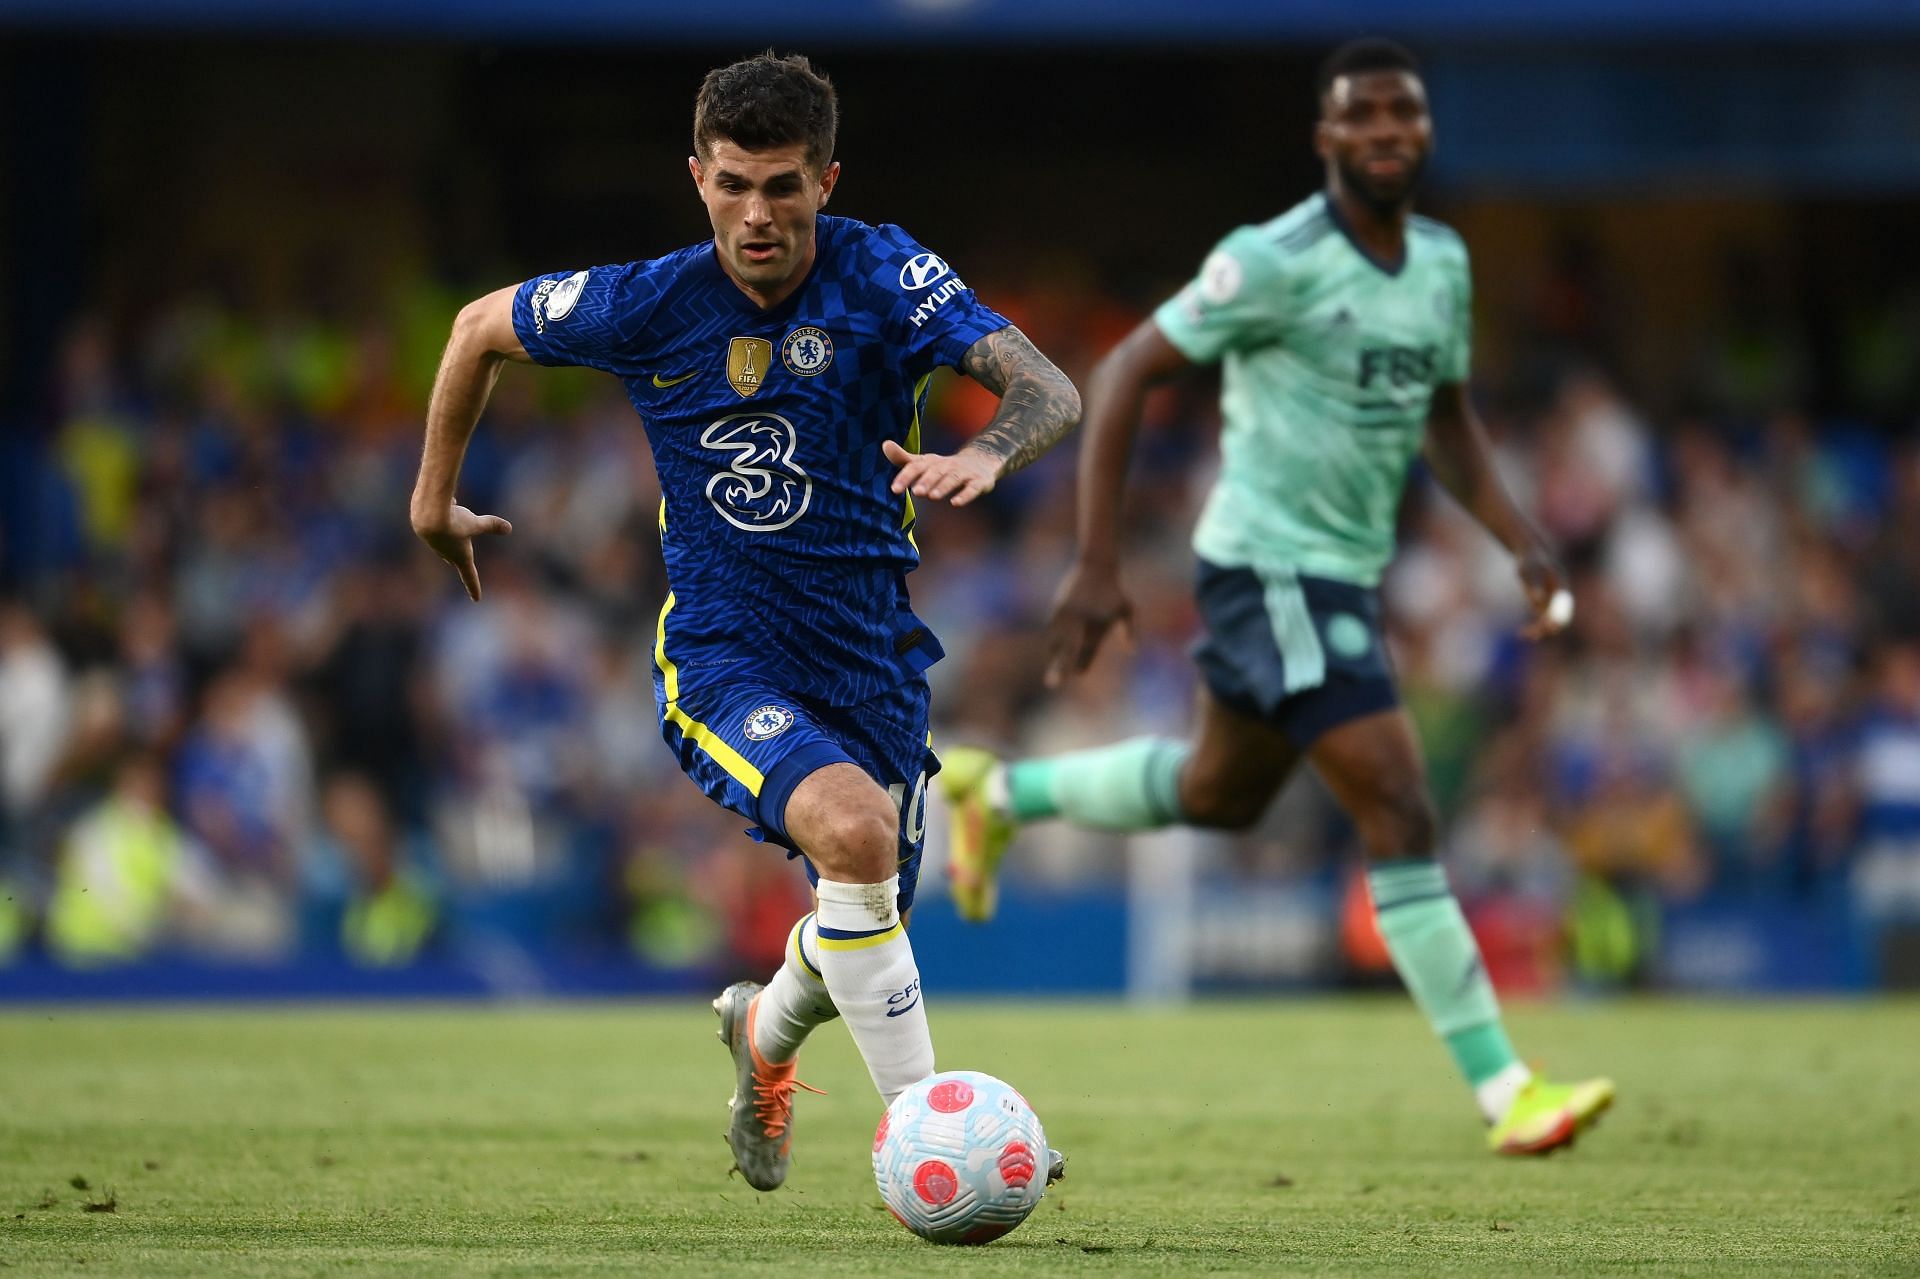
[[1038, 405]]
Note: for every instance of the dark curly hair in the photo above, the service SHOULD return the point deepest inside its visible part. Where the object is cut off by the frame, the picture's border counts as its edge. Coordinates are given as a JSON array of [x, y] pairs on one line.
[[767, 101], [1356, 57]]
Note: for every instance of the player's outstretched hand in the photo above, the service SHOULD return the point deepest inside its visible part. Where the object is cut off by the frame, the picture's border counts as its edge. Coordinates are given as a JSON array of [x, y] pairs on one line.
[[1548, 599], [956, 477], [451, 538], [1089, 603]]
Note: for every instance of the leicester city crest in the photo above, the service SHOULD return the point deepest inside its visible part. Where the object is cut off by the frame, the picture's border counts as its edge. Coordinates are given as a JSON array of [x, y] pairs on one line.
[[768, 721], [1348, 636], [807, 350]]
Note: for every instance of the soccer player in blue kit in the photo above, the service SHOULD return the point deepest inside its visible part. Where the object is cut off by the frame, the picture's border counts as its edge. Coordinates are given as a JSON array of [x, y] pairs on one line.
[[780, 370]]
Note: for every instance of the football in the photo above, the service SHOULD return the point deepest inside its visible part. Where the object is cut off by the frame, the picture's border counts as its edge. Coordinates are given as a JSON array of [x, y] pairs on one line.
[[960, 1157]]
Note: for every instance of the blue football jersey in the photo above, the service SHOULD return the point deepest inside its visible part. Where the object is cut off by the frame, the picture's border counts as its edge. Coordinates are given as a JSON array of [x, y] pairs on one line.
[[785, 547]]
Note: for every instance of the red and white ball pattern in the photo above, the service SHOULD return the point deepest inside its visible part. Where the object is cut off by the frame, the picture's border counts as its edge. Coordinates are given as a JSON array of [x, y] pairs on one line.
[[960, 1157]]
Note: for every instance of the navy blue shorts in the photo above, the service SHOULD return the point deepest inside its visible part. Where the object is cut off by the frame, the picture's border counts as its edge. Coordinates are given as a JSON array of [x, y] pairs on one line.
[[748, 745], [1304, 654]]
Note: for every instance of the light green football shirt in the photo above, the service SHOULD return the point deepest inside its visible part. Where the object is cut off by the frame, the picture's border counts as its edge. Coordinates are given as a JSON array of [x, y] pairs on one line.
[[1330, 365]]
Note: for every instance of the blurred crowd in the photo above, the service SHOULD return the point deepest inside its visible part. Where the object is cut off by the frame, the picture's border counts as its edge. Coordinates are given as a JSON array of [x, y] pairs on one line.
[[244, 714]]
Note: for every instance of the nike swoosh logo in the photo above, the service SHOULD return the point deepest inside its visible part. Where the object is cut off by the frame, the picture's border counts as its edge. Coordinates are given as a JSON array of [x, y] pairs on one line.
[[664, 383]]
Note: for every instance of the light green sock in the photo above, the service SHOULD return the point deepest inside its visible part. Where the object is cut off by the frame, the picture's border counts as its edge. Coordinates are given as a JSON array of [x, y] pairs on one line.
[[1438, 959], [1132, 785]]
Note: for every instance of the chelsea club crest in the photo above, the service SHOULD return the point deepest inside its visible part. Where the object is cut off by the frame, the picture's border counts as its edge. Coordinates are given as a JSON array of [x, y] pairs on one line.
[[768, 721], [807, 350]]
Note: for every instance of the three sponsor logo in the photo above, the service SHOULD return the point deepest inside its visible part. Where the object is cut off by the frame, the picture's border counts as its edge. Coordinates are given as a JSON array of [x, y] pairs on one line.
[[763, 489]]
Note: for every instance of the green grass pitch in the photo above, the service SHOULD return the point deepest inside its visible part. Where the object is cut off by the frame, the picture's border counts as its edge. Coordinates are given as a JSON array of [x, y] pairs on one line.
[[1287, 1136]]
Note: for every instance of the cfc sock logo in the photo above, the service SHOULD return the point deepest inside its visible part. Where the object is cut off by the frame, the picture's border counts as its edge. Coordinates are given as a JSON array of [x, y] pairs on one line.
[[901, 1001]]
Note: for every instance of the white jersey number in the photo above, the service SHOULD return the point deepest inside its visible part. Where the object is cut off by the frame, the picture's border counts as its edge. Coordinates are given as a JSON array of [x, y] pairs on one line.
[[913, 811]]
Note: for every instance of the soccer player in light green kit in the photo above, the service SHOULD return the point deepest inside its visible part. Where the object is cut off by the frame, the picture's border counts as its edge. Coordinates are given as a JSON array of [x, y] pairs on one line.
[[1344, 328]]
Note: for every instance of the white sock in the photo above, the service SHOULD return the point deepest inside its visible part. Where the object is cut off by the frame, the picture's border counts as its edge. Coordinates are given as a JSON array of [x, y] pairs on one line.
[[1497, 1094], [869, 970], [796, 1000]]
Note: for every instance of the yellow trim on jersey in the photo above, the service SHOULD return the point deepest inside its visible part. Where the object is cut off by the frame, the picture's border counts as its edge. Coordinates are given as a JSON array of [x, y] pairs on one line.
[[913, 446], [715, 745], [663, 515], [862, 943], [705, 738], [660, 658]]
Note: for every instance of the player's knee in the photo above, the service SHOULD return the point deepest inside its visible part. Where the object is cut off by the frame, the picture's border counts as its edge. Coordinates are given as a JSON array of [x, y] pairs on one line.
[[856, 845], [1207, 803]]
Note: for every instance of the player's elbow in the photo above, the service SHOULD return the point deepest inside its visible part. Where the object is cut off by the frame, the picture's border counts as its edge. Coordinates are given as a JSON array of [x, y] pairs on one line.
[[483, 330], [473, 327], [472, 320], [1067, 397]]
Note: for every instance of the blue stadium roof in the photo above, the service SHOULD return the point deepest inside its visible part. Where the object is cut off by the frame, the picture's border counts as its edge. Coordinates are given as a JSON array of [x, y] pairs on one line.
[[746, 22]]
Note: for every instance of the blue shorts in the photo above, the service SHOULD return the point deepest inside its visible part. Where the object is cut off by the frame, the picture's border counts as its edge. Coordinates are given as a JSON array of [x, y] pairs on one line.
[[1304, 654], [748, 745]]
